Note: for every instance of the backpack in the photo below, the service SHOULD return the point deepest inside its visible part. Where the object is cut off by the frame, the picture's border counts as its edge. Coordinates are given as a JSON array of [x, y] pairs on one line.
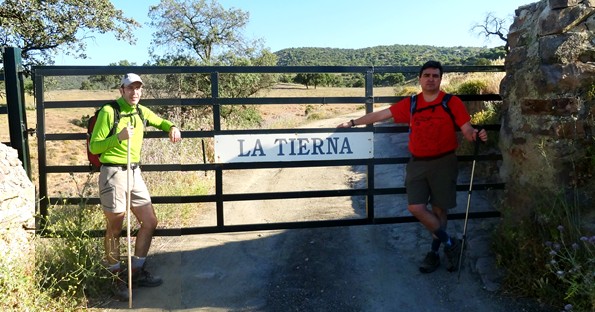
[[94, 162], [443, 103]]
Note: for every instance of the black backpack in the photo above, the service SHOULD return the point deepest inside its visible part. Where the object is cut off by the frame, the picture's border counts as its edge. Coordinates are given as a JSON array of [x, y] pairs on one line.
[[94, 162], [443, 103]]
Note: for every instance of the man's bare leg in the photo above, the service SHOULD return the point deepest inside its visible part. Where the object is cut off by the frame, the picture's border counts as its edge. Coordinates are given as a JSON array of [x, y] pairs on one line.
[[148, 223]]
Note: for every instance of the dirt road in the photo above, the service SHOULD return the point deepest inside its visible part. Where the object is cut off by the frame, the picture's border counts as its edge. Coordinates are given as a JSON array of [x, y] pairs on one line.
[[360, 268]]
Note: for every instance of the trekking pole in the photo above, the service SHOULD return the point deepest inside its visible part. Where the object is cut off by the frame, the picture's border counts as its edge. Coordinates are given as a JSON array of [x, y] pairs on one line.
[[475, 152], [128, 203]]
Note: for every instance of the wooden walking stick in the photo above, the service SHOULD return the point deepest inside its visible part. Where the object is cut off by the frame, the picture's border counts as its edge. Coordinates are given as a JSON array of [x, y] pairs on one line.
[[128, 202]]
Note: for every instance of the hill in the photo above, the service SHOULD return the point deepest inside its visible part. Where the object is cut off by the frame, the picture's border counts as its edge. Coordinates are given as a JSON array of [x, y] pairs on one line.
[[392, 55]]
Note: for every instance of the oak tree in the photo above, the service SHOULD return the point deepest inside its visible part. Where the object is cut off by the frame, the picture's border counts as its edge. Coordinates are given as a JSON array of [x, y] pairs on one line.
[[42, 28]]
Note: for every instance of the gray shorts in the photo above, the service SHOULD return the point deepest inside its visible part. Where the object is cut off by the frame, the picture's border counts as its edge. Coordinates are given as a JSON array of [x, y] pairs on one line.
[[433, 181], [113, 185]]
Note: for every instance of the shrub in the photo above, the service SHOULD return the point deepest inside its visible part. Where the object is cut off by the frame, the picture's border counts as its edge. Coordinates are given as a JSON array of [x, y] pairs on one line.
[[472, 87], [459, 83], [572, 261], [67, 267], [18, 290], [546, 256], [489, 116], [241, 116], [68, 259], [406, 90]]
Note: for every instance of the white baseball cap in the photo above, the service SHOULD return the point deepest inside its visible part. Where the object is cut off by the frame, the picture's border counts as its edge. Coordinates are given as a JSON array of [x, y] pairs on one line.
[[130, 78]]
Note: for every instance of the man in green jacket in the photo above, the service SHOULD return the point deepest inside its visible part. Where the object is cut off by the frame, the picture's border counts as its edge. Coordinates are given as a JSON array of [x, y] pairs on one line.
[[113, 180]]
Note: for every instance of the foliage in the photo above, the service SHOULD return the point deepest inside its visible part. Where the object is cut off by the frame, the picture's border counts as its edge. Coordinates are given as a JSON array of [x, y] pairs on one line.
[[53, 83], [105, 82], [473, 83], [241, 116], [472, 87], [314, 79], [490, 115], [590, 94], [393, 55], [407, 90], [231, 85], [547, 253], [389, 79], [572, 260], [234, 85], [69, 260], [67, 269], [197, 33], [17, 283], [197, 29], [43, 28]]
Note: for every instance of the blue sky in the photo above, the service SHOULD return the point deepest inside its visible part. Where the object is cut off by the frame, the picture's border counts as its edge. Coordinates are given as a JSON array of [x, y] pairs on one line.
[[346, 24]]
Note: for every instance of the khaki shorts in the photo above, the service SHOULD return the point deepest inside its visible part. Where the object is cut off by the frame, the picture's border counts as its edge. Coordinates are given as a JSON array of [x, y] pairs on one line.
[[433, 181], [113, 185]]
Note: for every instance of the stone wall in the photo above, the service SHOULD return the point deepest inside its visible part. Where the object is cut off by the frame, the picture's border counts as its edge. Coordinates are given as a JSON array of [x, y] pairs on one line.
[[548, 99], [17, 207]]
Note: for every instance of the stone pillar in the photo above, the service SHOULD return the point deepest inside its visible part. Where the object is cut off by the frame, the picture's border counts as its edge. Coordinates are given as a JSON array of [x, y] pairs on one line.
[[548, 101], [17, 207]]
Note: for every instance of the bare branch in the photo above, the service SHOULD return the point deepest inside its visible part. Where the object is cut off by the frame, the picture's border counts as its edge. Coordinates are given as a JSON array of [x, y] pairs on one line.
[[493, 26]]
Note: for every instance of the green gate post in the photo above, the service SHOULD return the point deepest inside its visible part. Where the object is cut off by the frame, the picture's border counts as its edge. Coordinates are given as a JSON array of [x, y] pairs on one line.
[[15, 100]]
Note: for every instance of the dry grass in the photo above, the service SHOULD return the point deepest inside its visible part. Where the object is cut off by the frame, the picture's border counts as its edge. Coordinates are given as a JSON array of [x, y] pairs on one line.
[[492, 80]]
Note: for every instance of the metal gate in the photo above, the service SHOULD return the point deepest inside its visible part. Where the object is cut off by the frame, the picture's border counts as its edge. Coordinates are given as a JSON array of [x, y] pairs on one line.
[[13, 77], [215, 102]]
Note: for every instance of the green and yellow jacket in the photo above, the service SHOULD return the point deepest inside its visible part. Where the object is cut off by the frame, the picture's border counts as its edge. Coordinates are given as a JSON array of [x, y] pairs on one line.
[[111, 149]]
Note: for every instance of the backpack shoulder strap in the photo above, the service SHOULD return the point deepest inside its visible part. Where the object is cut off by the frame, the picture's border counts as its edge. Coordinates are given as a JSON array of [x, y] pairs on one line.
[[139, 111], [445, 100], [116, 107], [413, 103], [444, 103]]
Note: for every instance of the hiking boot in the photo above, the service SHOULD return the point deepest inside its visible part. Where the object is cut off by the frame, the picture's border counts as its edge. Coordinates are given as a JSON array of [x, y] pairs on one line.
[[120, 286], [430, 263], [453, 252], [142, 278]]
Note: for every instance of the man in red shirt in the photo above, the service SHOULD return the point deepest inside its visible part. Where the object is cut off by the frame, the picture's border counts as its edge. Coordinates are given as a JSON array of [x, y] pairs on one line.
[[432, 171]]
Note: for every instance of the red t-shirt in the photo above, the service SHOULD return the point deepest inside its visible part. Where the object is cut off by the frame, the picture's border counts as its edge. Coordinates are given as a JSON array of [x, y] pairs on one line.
[[432, 131]]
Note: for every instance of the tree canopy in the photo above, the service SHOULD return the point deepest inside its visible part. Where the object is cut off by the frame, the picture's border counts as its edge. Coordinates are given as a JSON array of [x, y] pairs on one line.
[[42, 28], [198, 29]]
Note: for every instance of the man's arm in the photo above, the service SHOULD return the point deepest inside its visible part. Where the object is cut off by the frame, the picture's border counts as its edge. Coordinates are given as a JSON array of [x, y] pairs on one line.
[[367, 119], [175, 135], [471, 133]]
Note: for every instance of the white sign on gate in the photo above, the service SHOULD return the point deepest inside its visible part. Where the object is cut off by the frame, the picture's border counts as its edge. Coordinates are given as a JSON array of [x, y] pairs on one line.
[[293, 147]]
